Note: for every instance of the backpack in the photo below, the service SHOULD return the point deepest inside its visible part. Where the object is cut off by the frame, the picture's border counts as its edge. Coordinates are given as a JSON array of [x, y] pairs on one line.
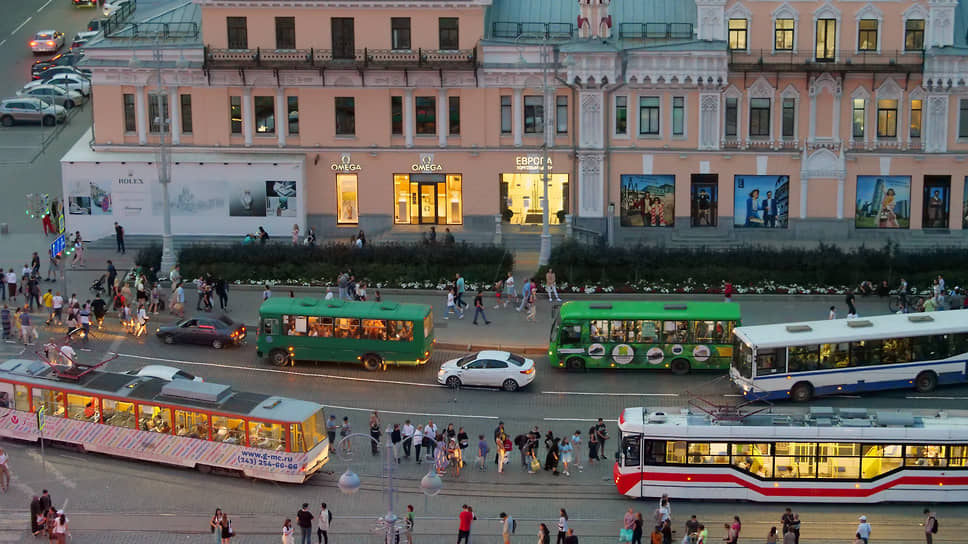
[[329, 514], [934, 528], [514, 525]]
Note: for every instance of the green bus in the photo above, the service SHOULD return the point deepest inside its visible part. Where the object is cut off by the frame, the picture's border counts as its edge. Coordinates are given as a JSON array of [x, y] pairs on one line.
[[680, 336], [375, 334]]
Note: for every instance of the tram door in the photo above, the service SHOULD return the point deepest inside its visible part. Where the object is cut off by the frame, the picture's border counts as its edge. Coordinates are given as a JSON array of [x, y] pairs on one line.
[[630, 456], [6, 395]]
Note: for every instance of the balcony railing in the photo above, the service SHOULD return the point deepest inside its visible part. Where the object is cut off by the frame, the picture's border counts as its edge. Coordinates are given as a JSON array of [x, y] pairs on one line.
[[655, 31], [809, 61], [327, 58], [183, 30], [535, 31]]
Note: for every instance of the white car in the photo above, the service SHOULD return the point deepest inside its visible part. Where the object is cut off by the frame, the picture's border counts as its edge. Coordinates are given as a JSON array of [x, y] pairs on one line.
[[69, 80], [47, 41], [55, 94], [163, 372], [111, 7], [489, 369]]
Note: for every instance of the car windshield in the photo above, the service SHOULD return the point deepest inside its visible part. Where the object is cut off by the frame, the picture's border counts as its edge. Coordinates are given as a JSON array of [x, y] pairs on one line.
[[43, 36], [515, 359], [182, 375], [466, 359]]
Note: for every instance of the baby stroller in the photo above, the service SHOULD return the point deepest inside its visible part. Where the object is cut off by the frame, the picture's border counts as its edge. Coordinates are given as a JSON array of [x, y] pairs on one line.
[[97, 288]]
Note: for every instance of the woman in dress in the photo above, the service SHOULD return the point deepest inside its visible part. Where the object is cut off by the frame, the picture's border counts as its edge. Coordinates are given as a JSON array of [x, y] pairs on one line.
[[216, 524], [566, 450], [295, 235], [226, 529], [551, 459], [375, 433], [658, 213], [592, 446], [753, 218], [887, 218], [287, 532]]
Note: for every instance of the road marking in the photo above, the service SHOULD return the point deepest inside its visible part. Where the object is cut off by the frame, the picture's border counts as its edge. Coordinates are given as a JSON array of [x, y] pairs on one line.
[[922, 397], [3, 42], [37, 457], [23, 24], [44, 6], [410, 413], [610, 394]]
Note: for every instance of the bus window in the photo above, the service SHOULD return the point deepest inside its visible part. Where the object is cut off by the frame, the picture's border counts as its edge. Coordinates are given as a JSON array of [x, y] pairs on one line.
[[930, 347], [598, 330], [879, 459], [723, 332], [655, 453], [802, 358], [959, 343], [705, 453], [267, 326], [296, 438], [21, 401], [617, 331], [754, 458], [924, 456], [267, 436], [228, 430], [49, 399], [156, 419], [570, 334], [676, 332], [865, 353], [321, 326], [796, 460], [82, 407], [374, 329], [676, 452], [631, 450], [191, 424], [428, 323], [834, 355], [118, 414], [295, 325], [704, 331], [649, 331], [347, 328], [400, 331], [896, 350], [770, 360], [957, 456]]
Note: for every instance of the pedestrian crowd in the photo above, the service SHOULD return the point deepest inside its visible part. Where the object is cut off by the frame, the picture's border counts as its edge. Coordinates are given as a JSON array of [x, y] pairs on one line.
[[48, 521]]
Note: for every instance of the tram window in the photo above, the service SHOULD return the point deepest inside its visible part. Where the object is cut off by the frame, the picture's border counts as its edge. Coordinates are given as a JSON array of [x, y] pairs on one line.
[[21, 401], [896, 350], [570, 333], [865, 353], [924, 456], [296, 438], [49, 399], [374, 329], [82, 407], [655, 452], [839, 467], [118, 414], [156, 419], [676, 452], [321, 327], [754, 458], [598, 330], [796, 460], [631, 450], [267, 436], [191, 424], [834, 355], [803, 358], [228, 430], [957, 456], [400, 331], [930, 347], [706, 453], [314, 430], [879, 459]]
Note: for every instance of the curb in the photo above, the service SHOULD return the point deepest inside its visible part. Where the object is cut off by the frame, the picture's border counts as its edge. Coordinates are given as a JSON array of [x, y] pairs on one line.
[[526, 350]]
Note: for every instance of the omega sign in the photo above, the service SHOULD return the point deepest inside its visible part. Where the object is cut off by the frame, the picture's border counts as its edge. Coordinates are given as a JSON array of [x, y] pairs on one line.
[[531, 163], [345, 165], [426, 164]]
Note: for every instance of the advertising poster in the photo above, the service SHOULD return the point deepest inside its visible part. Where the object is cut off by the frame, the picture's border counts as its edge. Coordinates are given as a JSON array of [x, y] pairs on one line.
[[704, 209], [964, 207], [936, 204], [192, 199], [648, 201], [281, 198], [761, 201], [247, 199], [100, 199], [883, 202], [79, 198]]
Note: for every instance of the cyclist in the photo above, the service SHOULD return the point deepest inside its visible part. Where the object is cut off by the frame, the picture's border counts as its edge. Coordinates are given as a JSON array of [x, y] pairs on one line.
[[902, 292]]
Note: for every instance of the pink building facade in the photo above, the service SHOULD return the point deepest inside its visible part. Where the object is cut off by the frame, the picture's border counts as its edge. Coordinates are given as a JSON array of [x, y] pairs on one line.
[[676, 121]]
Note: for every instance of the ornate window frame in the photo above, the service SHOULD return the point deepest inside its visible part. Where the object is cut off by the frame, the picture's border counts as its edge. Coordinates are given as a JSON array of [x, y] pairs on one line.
[[739, 11], [790, 92], [869, 11], [860, 92], [785, 11], [889, 90], [828, 11], [919, 12]]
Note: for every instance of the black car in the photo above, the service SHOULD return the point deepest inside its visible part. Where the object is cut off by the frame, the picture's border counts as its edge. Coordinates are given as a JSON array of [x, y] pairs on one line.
[[217, 332], [94, 24], [63, 59]]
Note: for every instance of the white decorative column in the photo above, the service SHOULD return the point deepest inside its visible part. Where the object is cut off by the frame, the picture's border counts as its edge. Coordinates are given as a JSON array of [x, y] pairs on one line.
[[591, 154], [174, 116], [709, 121], [141, 114], [247, 115], [812, 133], [941, 23], [517, 116], [840, 198], [443, 119], [409, 125], [835, 131], [282, 117], [934, 131]]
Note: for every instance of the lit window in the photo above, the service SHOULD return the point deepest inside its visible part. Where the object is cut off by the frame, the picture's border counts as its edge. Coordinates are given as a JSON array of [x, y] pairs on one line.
[[265, 114], [737, 34], [914, 35], [783, 35], [887, 118], [867, 35], [857, 117], [915, 118], [346, 196]]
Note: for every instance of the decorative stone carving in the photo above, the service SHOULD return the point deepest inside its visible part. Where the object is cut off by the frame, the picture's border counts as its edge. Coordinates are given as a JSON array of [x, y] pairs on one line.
[[594, 20], [825, 81], [709, 121], [935, 131], [710, 19], [591, 119], [824, 163], [591, 184]]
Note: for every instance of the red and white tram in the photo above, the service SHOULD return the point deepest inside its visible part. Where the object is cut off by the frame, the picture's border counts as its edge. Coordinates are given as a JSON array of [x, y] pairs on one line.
[[824, 455], [181, 422]]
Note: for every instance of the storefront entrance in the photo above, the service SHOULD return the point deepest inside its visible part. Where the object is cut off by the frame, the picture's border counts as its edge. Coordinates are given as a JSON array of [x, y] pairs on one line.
[[427, 199], [522, 197]]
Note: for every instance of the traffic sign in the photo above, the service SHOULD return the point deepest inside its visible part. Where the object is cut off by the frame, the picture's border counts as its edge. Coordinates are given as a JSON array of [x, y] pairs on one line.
[[58, 245], [41, 417]]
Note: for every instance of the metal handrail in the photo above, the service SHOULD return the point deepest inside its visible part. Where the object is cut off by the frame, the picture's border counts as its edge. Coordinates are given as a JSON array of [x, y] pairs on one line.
[[655, 31], [848, 57]]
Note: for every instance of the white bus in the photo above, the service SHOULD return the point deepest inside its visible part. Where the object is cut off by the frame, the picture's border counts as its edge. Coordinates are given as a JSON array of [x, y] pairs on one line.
[[802, 360], [821, 456]]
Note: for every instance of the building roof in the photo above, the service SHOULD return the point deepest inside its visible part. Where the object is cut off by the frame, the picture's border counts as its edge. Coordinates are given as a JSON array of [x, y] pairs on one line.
[[176, 23], [344, 308], [566, 11]]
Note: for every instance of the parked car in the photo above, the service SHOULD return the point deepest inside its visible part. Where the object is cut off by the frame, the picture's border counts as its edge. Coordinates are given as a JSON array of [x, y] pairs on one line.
[[54, 94], [489, 369], [163, 372], [85, 3], [111, 8], [82, 38], [216, 332], [69, 58], [94, 25], [47, 41], [30, 110], [69, 80]]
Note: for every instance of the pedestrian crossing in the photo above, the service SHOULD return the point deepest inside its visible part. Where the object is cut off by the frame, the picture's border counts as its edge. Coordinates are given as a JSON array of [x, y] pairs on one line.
[[14, 526]]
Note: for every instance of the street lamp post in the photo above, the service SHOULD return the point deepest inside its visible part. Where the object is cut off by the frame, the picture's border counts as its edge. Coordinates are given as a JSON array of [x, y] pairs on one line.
[[164, 174]]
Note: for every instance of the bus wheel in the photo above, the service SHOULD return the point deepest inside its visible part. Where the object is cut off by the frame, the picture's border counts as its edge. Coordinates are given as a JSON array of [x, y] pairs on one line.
[[372, 363], [801, 392], [926, 382], [575, 363], [680, 367], [278, 357]]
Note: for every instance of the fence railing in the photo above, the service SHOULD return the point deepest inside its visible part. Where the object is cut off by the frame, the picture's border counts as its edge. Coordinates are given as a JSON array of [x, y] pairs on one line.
[[316, 58], [538, 31], [655, 31], [821, 61]]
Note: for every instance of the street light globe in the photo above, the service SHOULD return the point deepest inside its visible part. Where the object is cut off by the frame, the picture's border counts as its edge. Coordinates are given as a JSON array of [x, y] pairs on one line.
[[431, 484], [349, 482]]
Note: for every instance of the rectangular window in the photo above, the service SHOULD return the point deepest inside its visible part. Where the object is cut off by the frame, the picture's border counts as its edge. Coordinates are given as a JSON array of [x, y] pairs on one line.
[[426, 113], [235, 114], [453, 114], [265, 114], [915, 118], [783, 35], [348, 199], [228, 429], [347, 328], [505, 114], [732, 117], [737, 34], [396, 115], [759, 117], [400, 331], [343, 38], [533, 114], [400, 33], [191, 424], [826, 40], [185, 103], [118, 414], [292, 113], [561, 114], [858, 116], [867, 35], [237, 32], [963, 118], [130, 124], [21, 398], [649, 115], [345, 116], [880, 459], [449, 37], [914, 35], [374, 329], [789, 118], [706, 453], [285, 32], [157, 117], [801, 358], [796, 460], [887, 118], [621, 115], [678, 115], [754, 458], [156, 419], [81, 407], [267, 436]]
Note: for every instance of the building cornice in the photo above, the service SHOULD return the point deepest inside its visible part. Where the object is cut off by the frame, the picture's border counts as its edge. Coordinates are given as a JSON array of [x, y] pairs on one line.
[[347, 4]]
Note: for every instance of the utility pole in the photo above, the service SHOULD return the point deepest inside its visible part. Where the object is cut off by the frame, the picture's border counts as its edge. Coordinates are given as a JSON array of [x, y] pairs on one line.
[[164, 171]]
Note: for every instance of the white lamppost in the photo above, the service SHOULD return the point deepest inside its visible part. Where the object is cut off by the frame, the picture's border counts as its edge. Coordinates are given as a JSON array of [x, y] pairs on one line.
[[164, 171]]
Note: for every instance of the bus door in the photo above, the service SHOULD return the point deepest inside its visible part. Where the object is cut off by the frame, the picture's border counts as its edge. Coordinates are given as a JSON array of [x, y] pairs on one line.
[[270, 328], [569, 338]]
